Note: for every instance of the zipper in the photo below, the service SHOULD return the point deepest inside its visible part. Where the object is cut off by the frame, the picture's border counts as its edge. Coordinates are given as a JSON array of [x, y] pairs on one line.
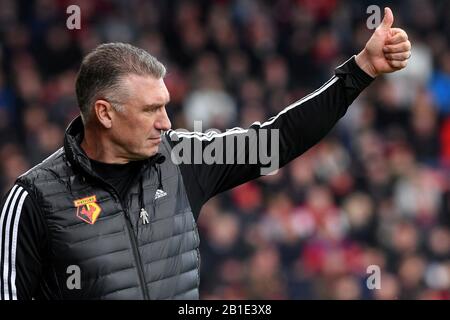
[[137, 255]]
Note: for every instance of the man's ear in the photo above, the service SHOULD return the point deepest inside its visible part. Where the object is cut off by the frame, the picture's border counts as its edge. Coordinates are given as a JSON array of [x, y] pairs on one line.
[[103, 111]]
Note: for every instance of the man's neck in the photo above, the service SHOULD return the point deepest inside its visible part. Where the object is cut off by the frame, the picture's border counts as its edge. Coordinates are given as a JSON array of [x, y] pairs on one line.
[[96, 148]]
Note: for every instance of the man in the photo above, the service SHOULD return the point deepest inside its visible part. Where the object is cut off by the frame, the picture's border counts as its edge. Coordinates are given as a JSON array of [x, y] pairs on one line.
[[112, 214]]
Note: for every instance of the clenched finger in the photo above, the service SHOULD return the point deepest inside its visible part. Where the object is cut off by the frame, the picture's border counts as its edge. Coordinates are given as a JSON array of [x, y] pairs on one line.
[[398, 56], [394, 31], [397, 48], [398, 64], [397, 37]]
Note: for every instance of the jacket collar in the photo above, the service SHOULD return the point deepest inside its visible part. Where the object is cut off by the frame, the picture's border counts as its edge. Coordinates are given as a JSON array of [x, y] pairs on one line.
[[72, 145]]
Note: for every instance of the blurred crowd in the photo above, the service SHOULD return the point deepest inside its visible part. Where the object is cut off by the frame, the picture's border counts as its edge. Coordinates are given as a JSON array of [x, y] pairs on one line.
[[375, 191]]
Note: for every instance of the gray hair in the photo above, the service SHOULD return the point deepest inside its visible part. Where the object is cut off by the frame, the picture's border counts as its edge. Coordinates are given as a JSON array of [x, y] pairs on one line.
[[102, 72]]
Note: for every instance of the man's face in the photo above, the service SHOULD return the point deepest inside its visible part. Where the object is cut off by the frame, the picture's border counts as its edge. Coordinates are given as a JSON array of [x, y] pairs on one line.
[[136, 131]]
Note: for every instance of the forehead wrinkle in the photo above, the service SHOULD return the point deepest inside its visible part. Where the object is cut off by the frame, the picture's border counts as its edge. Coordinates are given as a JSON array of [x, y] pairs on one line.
[[152, 90]]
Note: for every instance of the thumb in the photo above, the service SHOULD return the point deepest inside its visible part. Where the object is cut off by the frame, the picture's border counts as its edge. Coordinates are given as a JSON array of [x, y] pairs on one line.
[[388, 19]]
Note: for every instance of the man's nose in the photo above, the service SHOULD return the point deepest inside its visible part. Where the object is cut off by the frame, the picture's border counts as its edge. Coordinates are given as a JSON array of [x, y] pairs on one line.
[[163, 121]]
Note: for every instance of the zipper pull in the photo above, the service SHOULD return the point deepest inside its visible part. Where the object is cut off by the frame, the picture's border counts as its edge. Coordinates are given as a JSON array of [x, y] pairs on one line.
[[144, 216]]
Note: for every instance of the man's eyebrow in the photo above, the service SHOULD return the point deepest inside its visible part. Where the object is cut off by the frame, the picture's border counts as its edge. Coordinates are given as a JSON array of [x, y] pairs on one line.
[[155, 105]]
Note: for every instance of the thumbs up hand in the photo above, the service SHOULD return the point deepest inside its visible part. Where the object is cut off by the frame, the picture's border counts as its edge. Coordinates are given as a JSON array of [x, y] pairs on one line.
[[388, 50]]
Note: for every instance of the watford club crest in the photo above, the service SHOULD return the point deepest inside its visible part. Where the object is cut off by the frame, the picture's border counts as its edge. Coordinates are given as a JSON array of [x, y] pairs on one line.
[[87, 209]]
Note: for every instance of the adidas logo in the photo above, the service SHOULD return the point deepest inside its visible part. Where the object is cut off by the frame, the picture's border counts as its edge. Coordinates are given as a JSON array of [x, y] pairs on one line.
[[160, 193]]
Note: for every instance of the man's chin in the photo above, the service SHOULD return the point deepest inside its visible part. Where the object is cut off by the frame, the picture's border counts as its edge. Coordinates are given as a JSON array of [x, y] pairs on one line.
[[153, 150], [145, 154]]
